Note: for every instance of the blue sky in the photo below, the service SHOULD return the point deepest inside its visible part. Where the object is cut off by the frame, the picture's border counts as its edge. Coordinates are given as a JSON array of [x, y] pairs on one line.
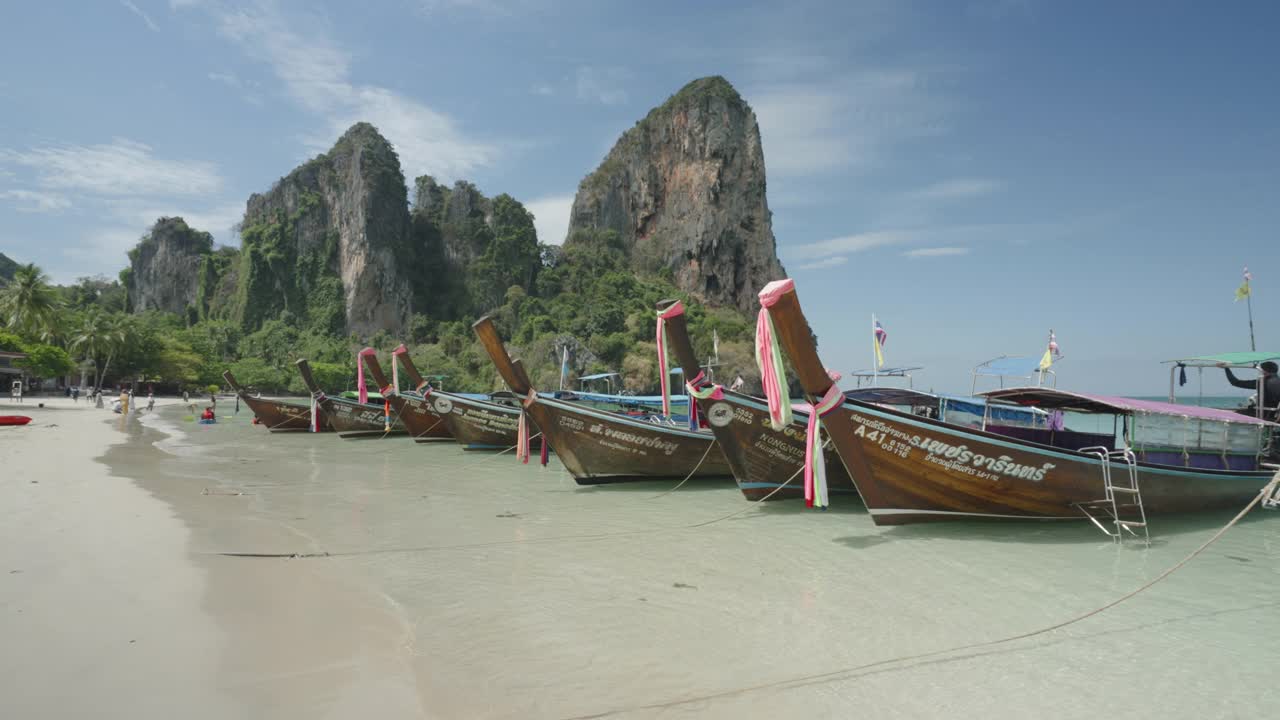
[[973, 172]]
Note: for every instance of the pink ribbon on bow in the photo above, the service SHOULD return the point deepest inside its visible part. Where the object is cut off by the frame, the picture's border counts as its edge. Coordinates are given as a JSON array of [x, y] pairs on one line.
[[815, 466], [664, 374], [769, 357], [360, 386], [522, 430]]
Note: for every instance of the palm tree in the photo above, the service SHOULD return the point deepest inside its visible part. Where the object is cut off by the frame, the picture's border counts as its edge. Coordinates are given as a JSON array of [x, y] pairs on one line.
[[28, 304], [100, 334]]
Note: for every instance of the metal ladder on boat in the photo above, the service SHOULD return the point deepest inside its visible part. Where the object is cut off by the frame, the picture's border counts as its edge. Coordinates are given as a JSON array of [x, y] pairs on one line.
[[1122, 507]]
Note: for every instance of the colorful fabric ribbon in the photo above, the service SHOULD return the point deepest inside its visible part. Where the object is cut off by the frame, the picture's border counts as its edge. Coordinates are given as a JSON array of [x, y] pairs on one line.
[[314, 422], [360, 386], [815, 465], [696, 393], [664, 373], [395, 365], [386, 408], [522, 429], [769, 355]]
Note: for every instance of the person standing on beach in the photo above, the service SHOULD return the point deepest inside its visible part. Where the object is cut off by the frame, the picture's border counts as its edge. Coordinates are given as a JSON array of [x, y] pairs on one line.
[[75, 394], [186, 397], [151, 402]]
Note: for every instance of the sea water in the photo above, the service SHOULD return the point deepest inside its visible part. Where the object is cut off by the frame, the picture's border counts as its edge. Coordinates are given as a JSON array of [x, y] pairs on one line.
[[516, 593]]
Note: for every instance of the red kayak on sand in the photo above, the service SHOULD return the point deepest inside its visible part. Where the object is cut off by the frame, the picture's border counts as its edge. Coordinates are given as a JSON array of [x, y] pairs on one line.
[[14, 419]]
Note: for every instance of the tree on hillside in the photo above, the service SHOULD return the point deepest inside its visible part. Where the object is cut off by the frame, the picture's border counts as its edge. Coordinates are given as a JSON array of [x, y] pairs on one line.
[[28, 304]]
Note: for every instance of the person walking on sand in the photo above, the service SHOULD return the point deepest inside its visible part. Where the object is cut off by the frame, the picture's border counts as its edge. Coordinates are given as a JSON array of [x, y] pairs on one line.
[[75, 394], [186, 397], [151, 402]]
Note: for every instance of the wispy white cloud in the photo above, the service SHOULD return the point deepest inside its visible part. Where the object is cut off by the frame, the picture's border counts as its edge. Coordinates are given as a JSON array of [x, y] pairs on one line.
[[316, 73], [830, 262], [551, 217], [932, 252], [848, 244], [151, 25], [543, 89], [602, 84], [488, 7], [220, 220], [845, 123], [229, 79], [100, 248], [35, 201], [119, 168], [957, 189]]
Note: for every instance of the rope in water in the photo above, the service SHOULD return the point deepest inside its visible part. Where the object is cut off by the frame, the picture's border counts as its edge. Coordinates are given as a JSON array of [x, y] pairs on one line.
[[691, 472], [850, 671]]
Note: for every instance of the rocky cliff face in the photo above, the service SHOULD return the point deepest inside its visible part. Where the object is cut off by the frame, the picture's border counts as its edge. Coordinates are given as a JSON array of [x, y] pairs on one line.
[[685, 190], [331, 242], [473, 247], [7, 267], [164, 268]]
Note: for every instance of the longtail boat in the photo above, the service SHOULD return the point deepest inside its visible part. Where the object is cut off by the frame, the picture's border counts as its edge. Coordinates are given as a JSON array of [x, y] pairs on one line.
[[478, 423], [412, 409], [1164, 458], [599, 447], [765, 462], [277, 415], [351, 419]]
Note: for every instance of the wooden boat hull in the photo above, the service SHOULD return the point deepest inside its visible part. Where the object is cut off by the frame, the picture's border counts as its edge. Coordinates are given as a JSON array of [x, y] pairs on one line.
[[601, 447], [281, 416], [420, 420], [763, 459], [359, 420], [478, 424], [921, 470], [14, 420]]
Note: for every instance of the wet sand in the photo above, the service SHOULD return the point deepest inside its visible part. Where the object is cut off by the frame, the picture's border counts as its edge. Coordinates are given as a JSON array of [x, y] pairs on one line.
[[456, 586]]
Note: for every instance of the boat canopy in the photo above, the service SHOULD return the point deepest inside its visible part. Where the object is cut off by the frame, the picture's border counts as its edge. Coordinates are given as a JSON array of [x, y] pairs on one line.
[[1234, 359], [893, 396], [871, 376], [1054, 399], [1009, 366], [598, 376]]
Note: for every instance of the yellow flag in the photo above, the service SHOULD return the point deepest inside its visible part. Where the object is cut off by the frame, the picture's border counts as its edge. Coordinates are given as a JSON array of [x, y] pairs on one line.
[[1047, 361], [1242, 292]]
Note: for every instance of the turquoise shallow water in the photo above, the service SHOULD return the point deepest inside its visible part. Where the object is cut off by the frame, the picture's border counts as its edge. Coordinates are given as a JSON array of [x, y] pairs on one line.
[[523, 595]]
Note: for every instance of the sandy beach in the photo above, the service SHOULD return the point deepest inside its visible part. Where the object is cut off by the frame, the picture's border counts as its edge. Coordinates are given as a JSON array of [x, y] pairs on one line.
[[439, 583], [109, 611]]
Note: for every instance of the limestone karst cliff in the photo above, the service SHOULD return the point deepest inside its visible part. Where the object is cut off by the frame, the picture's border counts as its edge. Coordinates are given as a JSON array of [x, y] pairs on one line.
[[164, 267], [685, 190], [330, 242]]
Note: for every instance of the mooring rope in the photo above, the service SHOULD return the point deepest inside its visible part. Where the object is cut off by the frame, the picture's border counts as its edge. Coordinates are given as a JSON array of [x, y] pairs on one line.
[[848, 671], [691, 472]]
